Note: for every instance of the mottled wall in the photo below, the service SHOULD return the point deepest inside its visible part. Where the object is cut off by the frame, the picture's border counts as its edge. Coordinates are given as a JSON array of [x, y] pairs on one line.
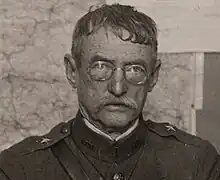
[[173, 96], [34, 93]]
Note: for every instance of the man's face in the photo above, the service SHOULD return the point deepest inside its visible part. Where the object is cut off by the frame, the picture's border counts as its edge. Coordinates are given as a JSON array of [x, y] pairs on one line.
[[95, 96]]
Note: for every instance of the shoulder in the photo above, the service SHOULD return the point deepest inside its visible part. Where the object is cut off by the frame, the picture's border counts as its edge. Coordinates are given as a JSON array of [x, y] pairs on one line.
[[171, 142], [33, 152], [177, 148], [34, 143], [169, 132]]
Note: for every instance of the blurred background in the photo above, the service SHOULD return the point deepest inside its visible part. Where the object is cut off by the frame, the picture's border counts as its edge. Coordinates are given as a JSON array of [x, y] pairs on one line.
[[35, 95]]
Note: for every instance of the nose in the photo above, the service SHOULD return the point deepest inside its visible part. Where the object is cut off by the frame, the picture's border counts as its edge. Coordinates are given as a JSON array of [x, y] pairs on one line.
[[117, 85]]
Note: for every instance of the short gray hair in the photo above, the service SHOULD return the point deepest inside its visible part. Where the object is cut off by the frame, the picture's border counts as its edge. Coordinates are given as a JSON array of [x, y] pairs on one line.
[[142, 29]]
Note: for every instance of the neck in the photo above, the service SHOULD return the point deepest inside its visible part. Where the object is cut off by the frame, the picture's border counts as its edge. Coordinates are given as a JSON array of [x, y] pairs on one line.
[[112, 134], [100, 128]]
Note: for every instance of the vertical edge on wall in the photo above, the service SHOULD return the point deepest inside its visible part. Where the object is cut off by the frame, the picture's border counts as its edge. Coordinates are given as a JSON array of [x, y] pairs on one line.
[[192, 123], [199, 81], [197, 88]]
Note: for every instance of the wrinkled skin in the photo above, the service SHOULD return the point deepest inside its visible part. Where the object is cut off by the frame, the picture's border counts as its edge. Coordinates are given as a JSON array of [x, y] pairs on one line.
[[93, 95]]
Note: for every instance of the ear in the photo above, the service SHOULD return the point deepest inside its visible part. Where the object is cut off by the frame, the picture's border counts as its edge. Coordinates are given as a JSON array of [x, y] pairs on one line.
[[71, 70], [154, 75]]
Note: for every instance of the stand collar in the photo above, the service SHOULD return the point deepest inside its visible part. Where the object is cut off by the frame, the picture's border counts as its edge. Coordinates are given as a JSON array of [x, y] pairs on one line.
[[104, 149], [96, 130]]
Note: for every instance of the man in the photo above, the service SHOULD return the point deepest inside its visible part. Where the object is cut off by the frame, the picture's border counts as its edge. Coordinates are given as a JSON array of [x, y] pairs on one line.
[[113, 66]]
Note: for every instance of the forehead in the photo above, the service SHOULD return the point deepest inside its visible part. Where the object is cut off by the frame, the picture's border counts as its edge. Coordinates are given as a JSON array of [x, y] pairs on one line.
[[104, 43]]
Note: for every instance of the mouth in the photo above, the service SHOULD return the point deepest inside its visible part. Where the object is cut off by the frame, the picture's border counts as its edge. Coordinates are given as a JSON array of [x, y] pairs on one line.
[[116, 107]]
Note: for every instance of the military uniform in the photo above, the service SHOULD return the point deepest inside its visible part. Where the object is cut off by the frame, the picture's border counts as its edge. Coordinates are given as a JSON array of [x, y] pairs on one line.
[[154, 151]]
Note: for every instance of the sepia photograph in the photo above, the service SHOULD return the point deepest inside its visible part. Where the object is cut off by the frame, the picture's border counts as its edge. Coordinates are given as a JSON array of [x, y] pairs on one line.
[[109, 90]]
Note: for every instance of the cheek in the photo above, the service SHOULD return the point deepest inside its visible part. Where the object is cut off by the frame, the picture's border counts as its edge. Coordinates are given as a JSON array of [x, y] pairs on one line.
[[90, 91], [140, 95], [97, 90]]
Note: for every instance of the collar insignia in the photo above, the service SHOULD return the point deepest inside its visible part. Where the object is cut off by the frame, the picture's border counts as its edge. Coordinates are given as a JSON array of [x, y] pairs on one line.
[[170, 128], [45, 140]]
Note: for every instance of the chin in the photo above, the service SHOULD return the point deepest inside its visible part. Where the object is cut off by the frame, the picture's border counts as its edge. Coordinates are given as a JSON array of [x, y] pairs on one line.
[[114, 124], [116, 119]]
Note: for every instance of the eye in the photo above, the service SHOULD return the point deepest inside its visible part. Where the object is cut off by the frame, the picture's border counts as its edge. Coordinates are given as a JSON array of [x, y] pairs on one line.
[[101, 66], [101, 70], [135, 69], [136, 74]]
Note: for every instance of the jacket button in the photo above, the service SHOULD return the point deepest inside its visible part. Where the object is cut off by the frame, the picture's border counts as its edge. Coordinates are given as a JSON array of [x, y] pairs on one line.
[[118, 176], [64, 130]]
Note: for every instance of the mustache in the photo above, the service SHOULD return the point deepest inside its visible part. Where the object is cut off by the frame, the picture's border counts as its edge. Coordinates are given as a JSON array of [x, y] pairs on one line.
[[123, 101]]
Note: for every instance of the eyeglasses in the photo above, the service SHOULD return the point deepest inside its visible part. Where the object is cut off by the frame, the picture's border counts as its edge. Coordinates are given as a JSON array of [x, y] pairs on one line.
[[102, 71]]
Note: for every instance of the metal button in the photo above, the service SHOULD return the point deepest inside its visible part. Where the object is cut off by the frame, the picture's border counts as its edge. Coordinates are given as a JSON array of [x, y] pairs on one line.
[[118, 176], [116, 163], [64, 130]]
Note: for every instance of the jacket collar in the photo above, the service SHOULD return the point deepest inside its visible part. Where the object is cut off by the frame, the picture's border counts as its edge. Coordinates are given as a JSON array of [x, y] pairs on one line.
[[95, 129], [103, 148]]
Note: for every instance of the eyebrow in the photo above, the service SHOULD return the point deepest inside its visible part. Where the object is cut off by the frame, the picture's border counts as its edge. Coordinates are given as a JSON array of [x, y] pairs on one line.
[[138, 61], [96, 58], [99, 58]]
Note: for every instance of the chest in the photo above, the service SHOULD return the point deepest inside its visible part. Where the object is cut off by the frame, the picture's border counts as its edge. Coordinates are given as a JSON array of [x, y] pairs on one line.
[[147, 165]]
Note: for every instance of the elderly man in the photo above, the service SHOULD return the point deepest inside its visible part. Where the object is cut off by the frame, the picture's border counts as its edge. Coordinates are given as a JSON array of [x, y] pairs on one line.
[[113, 64]]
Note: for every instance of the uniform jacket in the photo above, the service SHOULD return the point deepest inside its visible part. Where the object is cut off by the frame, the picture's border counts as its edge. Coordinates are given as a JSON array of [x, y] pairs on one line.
[[153, 151]]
